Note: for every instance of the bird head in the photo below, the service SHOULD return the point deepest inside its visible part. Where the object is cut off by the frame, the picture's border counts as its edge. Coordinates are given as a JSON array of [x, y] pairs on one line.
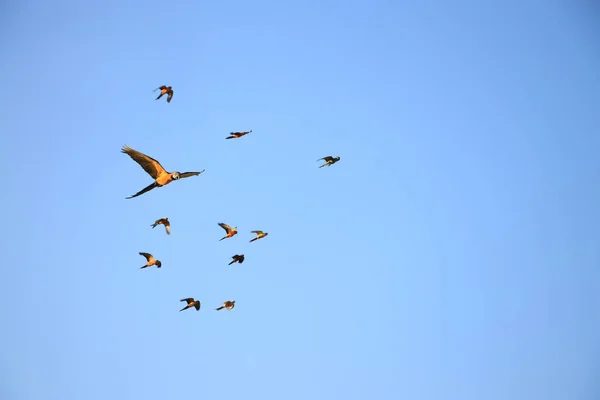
[[175, 175], [337, 159], [265, 233]]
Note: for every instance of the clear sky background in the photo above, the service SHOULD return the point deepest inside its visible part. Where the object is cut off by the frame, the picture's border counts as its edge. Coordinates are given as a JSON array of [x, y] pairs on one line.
[[453, 253]]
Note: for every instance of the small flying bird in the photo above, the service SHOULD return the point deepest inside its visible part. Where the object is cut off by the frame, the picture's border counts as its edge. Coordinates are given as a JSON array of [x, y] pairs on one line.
[[230, 232], [163, 221], [165, 90], [227, 304], [150, 261], [191, 303], [161, 176], [329, 161], [239, 258], [259, 235], [236, 135]]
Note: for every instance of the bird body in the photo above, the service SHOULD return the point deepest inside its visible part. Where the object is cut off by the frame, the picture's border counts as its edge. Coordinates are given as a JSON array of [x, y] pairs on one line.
[[191, 303], [230, 231], [239, 258], [161, 176], [329, 161], [259, 235], [237, 135], [227, 304], [150, 261], [165, 90], [165, 222]]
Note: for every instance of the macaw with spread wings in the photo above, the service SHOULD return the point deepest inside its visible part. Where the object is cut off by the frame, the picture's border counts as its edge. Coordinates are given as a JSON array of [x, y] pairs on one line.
[[161, 176]]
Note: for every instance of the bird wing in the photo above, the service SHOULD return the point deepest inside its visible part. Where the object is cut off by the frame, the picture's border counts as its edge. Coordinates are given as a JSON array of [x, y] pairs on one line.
[[148, 256], [188, 300], [150, 165], [225, 226], [258, 232], [328, 158], [197, 304], [170, 96], [168, 228], [188, 174], [160, 88]]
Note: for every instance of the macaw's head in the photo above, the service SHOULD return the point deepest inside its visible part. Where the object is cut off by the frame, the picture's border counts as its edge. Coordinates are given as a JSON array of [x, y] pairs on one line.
[[175, 175]]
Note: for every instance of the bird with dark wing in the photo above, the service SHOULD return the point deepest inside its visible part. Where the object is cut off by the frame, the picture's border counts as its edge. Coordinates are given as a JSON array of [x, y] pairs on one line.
[[165, 90], [259, 235], [191, 303], [163, 221], [329, 160], [150, 261], [227, 304], [161, 176], [230, 231], [236, 135], [238, 258]]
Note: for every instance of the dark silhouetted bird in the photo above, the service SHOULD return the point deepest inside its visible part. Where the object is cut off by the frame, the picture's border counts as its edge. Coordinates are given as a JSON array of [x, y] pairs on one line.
[[329, 161], [239, 258], [236, 135], [191, 303]]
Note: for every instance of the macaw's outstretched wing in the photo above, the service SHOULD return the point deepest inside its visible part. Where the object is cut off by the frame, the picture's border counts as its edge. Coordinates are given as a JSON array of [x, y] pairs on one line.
[[188, 174], [150, 165]]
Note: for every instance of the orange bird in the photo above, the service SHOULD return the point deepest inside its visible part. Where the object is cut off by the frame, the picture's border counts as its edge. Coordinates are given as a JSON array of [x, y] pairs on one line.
[[191, 303], [150, 261], [165, 90], [230, 232], [259, 235], [161, 176], [227, 304], [236, 135], [165, 222], [239, 258]]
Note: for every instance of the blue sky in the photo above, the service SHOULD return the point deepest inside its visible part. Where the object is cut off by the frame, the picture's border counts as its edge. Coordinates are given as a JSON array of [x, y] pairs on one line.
[[452, 253]]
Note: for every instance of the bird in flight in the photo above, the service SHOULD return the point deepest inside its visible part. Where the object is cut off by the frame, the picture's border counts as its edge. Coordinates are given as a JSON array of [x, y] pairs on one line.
[[150, 261], [165, 90], [236, 135], [227, 304], [165, 222], [239, 258], [259, 235], [230, 232], [329, 161], [161, 176], [191, 303]]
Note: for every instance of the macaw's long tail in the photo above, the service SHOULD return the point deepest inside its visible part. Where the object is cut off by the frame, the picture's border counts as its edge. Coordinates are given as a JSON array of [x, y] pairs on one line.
[[159, 96], [224, 237], [220, 308], [144, 190], [145, 266], [232, 262], [230, 137], [184, 308]]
